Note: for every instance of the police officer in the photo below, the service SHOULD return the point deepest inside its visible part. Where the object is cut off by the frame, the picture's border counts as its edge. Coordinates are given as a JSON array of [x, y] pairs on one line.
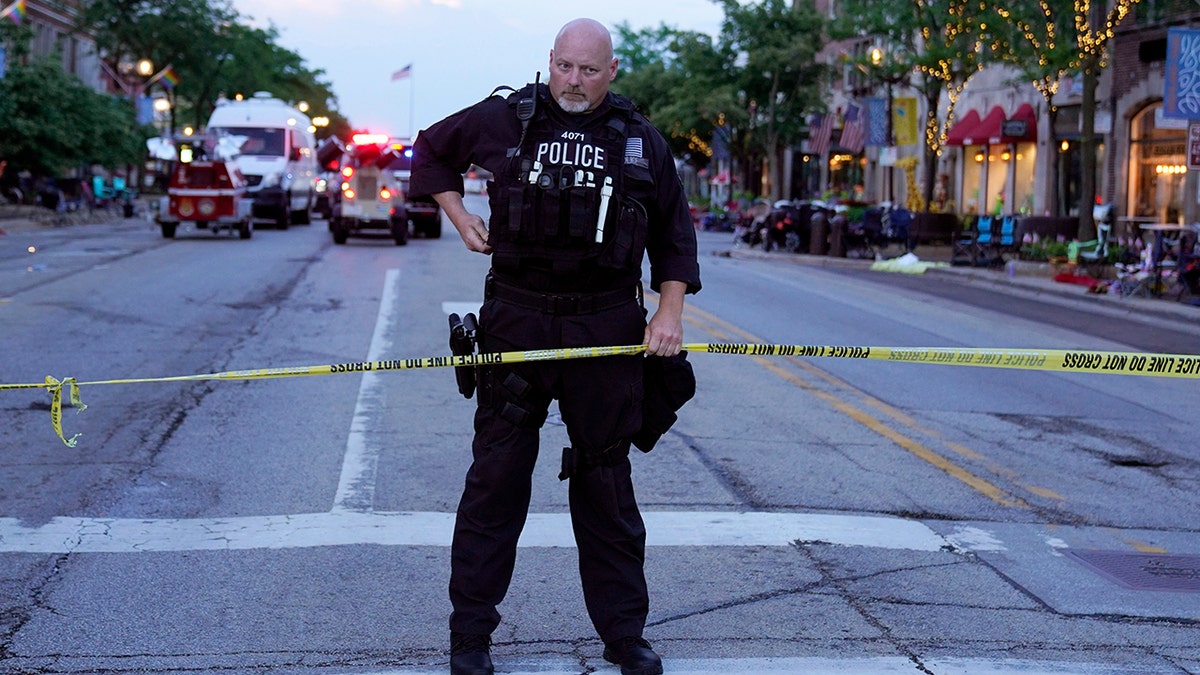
[[583, 188]]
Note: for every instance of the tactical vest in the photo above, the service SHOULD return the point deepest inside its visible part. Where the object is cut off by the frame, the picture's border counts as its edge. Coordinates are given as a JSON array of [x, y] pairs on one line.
[[563, 206]]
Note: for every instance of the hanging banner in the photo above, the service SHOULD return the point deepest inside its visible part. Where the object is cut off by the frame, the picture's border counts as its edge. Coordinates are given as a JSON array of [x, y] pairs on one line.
[[877, 121], [1181, 84], [904, 120]]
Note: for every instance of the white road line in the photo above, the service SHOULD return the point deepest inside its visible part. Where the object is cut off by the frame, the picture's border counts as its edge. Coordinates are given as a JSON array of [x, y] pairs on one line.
[[350, 528], [356, 487], [881, 665]]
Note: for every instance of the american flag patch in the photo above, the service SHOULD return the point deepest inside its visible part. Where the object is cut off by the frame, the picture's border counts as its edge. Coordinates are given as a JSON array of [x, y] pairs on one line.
[[633, 149]]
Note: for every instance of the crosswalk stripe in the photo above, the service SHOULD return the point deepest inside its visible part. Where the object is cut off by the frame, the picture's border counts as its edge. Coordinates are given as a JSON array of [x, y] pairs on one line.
[[348, 528]]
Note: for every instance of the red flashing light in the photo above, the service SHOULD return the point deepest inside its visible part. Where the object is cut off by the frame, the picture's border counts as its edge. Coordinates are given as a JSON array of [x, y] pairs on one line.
[[349, 193], [347, 171], [385, 194], [369, 139]]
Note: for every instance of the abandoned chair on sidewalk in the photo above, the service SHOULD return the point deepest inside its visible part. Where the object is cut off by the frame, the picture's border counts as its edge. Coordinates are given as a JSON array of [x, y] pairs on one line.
[[973, 246]]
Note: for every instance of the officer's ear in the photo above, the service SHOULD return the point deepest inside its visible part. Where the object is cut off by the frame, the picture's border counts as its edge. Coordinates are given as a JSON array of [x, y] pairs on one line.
[[612, 70]]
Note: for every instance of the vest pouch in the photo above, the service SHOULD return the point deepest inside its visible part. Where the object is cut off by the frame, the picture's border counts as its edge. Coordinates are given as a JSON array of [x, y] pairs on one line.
[[583, 210], [627, 244], [543, 228], [518, 208]]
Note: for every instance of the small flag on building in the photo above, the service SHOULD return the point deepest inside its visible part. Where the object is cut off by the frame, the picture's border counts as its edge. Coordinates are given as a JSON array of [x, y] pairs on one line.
[[14, 12], [853, 133], [404, 72]]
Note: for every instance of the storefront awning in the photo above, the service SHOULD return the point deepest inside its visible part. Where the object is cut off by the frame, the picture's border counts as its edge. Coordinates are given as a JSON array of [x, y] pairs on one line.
[[996, 128], [987, 129], [962, 128]]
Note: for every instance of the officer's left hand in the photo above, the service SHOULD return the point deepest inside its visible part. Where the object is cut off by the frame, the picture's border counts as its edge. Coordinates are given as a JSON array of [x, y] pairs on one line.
[[664, 332]]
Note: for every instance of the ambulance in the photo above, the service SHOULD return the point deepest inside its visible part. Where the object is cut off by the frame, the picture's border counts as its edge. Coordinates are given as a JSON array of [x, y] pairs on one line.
[[275, 152]]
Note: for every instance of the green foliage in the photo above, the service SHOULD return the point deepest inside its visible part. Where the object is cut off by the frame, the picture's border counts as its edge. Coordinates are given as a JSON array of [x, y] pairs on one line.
[[678, 80], [754, 86], [1044, 249], [211, 49], [51, 122]]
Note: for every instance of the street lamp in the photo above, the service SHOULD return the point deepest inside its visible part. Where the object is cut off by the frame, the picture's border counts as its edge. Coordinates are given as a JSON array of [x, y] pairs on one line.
[[877, 60]]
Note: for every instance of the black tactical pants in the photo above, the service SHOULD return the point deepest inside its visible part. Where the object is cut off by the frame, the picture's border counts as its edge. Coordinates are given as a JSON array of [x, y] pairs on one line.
[[600, 400]]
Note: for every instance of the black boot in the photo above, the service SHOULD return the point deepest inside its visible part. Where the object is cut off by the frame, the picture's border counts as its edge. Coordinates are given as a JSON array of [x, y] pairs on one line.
[[470, 655], [634, 655]]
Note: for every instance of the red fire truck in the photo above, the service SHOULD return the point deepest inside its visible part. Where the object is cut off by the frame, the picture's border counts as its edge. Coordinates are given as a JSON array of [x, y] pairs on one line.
[[209, 194]]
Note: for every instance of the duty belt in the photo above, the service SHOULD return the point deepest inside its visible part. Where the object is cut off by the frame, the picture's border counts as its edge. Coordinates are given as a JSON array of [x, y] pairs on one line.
[[561, 303]]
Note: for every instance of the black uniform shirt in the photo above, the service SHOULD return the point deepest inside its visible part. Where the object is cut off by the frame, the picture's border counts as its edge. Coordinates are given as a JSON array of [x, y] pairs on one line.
[[482, 135]]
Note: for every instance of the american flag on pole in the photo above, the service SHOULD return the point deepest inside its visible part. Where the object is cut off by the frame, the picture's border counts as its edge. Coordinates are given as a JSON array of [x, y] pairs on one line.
[[822, 126], [854, 133], [402, 73]]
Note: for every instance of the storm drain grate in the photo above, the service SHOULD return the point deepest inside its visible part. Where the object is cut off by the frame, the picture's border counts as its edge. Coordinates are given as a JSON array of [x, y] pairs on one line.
[[1144, 571]]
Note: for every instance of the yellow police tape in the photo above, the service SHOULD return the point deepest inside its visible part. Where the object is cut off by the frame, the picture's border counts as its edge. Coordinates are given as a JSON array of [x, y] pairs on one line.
[[1057, 360]]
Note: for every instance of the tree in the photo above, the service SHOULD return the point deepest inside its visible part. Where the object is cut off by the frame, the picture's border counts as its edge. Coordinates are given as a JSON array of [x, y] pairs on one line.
[[50, 122], [946, 43], [753, 86], [780, 81], [210, 49], [678, 80], [1094, 28], [1037, 44]]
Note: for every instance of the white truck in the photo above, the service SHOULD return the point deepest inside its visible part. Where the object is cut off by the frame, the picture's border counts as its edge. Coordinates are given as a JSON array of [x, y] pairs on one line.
[[276, 154]]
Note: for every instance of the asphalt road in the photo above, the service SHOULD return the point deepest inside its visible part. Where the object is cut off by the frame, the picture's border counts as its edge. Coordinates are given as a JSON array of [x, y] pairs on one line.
[[805, 515]]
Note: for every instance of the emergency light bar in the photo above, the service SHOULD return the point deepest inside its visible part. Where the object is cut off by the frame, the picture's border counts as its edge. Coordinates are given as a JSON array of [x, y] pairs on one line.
[[370, 139]]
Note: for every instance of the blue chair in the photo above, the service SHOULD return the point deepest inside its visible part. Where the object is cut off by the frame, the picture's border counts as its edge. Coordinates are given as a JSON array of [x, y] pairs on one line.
[[974, 244], [101, 192], [1008, 233]]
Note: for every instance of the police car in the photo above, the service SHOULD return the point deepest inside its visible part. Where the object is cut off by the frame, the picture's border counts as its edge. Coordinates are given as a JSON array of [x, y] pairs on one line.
[[368, 200]]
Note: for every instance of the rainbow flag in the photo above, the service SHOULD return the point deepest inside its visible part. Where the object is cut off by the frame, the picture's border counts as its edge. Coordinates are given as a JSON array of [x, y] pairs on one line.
[[15, 11], [169, 77]]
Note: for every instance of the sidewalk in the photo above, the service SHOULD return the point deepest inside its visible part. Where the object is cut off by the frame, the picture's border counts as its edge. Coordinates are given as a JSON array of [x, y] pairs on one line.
[[16, 219], [1029, 279]]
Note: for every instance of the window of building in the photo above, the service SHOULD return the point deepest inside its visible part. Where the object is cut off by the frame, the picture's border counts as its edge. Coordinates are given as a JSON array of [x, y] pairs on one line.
[[1157, 168]]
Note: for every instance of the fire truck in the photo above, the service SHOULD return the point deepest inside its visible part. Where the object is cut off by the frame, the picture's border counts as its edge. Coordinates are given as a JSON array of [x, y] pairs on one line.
[[210, 194], [368, 201]]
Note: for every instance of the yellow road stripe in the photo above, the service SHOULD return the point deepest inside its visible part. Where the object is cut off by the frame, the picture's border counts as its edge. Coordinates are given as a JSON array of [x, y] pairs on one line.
[[917, 449]]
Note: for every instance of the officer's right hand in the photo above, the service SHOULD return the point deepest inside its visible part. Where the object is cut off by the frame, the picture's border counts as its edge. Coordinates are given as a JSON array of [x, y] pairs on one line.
[[470, 226], [473, 232]]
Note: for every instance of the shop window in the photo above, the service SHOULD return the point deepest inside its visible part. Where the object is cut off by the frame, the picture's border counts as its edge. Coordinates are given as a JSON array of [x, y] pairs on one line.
[[1157, 169]]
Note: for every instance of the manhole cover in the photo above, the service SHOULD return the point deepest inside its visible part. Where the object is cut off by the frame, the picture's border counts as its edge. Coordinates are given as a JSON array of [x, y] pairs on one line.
[[1144, 571]]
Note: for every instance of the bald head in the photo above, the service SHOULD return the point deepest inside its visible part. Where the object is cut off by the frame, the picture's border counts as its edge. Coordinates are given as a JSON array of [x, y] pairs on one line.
[[581, 65]]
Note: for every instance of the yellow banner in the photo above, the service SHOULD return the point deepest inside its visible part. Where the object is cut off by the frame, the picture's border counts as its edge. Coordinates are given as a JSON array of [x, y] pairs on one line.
[[904, 120]]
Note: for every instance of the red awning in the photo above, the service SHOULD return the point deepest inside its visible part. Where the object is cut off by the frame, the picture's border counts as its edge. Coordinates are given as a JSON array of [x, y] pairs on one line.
[[962, 128], [988, 129], [1021, 126]]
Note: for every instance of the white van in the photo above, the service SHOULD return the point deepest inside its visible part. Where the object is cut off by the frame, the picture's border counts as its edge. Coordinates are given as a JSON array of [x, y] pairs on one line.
[[275, 154]]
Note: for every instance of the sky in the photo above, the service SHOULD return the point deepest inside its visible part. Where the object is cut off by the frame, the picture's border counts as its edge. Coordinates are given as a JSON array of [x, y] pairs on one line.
[[460, 50]]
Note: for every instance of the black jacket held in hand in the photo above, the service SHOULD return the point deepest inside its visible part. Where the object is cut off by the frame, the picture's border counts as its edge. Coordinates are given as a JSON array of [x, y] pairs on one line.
[[668, 382]]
